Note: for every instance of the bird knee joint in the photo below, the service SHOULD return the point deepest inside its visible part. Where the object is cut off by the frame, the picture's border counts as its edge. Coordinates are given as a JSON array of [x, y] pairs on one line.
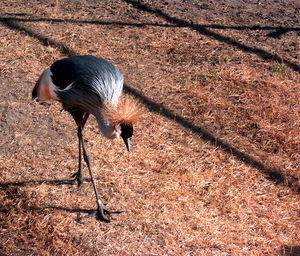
[[86, 158]]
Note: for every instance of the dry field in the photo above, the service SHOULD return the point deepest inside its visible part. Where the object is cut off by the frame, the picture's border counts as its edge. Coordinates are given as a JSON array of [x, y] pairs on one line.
[[214, 166]]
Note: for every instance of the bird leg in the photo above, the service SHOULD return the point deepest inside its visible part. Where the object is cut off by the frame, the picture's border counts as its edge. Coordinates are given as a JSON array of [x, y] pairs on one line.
[[101, 210], [78, 175], [100, 214]]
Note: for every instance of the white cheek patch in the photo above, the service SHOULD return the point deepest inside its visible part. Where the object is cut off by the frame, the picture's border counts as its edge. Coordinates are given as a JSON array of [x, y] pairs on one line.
[[117, 134]]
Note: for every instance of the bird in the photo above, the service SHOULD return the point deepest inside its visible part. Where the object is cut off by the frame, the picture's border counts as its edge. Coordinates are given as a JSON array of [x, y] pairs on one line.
[[88, 85]]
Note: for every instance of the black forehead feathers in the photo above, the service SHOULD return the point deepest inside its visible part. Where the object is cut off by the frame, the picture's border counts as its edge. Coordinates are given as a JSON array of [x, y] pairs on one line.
[[126, 130]]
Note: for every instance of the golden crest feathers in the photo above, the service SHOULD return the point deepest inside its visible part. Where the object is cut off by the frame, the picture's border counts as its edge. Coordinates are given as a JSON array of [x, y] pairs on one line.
[[128, 111]]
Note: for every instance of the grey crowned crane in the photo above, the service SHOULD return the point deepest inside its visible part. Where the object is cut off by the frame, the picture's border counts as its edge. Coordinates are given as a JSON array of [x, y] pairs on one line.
[[90, 85]]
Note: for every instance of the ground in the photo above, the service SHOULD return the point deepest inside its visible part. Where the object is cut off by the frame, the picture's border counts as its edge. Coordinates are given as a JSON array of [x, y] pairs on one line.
[[214, 166]]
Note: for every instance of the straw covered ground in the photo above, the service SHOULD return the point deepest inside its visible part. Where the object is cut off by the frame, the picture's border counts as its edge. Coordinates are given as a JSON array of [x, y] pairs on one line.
[[214, 166]]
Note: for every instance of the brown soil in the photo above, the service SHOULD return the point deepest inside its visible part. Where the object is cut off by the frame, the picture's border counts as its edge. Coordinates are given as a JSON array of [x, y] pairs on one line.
[[214, 167]]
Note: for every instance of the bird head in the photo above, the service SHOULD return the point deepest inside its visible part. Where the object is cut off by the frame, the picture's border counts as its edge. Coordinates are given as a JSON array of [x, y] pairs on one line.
[[122, 117]]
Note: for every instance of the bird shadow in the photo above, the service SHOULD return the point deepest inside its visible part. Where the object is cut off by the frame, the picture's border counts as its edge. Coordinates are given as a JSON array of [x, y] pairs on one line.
[[47, 182], [14, 196], [16, 199], [63, 209], [290, 250]]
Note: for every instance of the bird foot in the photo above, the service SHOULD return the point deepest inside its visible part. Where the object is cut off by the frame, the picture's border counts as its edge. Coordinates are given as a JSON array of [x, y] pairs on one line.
[[100, 214], [79, 179]]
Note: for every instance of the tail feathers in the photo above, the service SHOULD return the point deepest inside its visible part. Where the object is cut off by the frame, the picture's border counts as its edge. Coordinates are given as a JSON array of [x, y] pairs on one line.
[[34, 91], [36, 87], [42, 89]]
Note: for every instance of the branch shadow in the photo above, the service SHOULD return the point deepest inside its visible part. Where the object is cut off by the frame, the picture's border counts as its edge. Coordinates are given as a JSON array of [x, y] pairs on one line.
[[277, 176], [280, 30], [11, 22], [204, 31], [13, 25]]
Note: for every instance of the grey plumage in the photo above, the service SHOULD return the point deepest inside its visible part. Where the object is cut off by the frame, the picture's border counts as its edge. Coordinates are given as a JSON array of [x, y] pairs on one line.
[[97, 82]]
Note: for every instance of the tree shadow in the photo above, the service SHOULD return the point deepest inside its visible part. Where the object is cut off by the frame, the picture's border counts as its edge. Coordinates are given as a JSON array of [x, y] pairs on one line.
[[277, 176], [272, 174], [13, 25], [22, 14], [11, 22], [281, 30], [204, 31]]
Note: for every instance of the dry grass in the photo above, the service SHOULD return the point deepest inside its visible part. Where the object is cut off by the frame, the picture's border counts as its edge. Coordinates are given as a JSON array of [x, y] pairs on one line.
[[214, 167]]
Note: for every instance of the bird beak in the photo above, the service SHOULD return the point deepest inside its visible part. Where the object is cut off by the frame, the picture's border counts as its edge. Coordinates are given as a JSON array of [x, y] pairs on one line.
[[127, 143]]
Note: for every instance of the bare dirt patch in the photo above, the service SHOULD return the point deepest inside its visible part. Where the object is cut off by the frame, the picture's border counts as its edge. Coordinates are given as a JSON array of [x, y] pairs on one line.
[[214, 168]]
